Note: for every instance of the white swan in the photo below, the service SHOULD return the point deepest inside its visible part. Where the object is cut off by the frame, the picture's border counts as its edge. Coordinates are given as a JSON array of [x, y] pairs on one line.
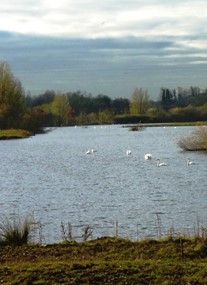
[[128, 152], [90, 151], [161, 163], [148, 156], [190, 162]]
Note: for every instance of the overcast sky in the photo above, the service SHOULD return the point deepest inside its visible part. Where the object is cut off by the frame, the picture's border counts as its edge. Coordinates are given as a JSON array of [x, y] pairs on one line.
[[105, 47]]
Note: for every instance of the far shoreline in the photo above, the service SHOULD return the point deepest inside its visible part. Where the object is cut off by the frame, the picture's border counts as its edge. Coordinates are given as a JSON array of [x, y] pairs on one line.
[[11, 134]]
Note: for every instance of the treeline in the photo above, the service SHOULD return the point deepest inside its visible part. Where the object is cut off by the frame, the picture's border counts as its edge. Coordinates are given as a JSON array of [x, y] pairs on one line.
[[77, 108], [81, 108], [52, 108], [182, 97]]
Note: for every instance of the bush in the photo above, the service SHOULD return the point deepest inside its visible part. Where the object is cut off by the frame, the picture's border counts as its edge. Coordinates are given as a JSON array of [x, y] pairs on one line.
[[131, 119], [136, 128], [196, 141]]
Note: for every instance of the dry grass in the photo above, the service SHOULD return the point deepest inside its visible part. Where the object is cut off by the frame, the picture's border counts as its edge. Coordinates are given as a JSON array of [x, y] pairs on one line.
[[196, 141]]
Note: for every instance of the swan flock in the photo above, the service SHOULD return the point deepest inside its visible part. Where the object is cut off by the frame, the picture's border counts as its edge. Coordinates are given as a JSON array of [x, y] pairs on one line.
[[147, 156]]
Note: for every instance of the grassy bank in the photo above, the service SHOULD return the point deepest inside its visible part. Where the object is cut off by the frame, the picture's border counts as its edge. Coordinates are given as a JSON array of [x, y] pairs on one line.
[[174, 124], [14, 134], [107, 261]]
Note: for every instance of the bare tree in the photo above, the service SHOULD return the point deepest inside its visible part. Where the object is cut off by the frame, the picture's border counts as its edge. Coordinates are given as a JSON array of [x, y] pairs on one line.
[[139, 101]]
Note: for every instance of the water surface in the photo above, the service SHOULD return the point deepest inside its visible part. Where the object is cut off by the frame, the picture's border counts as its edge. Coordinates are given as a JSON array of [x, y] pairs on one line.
[[52, 177]]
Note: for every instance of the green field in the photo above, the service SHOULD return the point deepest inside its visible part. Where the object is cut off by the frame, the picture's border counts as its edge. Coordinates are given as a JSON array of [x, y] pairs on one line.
[[107, 261]]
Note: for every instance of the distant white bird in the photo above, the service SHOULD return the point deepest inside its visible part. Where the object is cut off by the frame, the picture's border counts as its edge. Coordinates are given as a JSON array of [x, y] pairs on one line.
[[161, 163], [90, 151], [128, 152], [148, 156], [190, 162]]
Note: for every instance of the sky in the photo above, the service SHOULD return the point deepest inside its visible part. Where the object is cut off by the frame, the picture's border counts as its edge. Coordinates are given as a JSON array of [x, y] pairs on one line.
[[105, 47]]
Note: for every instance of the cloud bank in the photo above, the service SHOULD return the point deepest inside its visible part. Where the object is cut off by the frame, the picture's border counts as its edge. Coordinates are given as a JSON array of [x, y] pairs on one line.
[[109, 47]]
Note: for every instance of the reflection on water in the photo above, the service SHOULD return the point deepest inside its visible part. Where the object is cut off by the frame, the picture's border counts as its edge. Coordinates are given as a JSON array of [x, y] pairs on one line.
[[52, 177]]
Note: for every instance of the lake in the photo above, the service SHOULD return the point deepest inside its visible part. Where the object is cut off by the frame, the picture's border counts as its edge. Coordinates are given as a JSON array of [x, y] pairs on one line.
[[51, 177]]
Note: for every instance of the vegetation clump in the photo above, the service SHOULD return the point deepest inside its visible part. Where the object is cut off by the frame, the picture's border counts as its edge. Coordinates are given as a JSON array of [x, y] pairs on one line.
[[15, 232], [197, 141], [136, 128]]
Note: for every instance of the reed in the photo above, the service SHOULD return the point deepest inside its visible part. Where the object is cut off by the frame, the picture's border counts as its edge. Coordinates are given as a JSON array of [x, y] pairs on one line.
[[87, 232], [15, 232], [66, 231]]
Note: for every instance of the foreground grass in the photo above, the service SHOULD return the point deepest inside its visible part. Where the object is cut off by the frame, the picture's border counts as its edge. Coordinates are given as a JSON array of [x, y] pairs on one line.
[[14, 134], [107, 261]]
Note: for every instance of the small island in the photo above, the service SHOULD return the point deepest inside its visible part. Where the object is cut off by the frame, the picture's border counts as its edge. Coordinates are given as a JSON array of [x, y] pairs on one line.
[[14, 134]]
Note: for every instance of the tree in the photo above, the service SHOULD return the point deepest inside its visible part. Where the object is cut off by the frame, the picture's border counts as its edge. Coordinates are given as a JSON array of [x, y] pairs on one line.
[[168, 98], [46, 98], [12, 105], [105, 117], [120, 106], [103, 102], [139, 101], [82, 103], [60, 107]]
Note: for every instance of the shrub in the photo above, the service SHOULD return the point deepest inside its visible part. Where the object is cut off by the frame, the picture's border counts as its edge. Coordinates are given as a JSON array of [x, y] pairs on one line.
[[196, 141], [136, 128]]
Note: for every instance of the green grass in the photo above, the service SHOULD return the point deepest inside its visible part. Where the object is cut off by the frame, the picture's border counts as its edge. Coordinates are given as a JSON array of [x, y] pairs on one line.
[[175, 124], [107, 261], [14, 134]]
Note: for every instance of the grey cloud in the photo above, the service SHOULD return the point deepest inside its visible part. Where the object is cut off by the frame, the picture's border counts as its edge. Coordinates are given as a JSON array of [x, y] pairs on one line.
[[109, 66]]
